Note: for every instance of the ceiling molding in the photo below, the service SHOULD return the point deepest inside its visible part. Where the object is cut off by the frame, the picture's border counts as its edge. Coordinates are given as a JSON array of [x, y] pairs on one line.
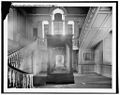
[[93, 25], [67, 15], [39, 14], [89, 19], [80, 15]]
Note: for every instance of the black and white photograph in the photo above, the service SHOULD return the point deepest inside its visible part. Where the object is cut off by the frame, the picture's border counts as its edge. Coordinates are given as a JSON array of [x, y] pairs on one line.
[[59, 47]]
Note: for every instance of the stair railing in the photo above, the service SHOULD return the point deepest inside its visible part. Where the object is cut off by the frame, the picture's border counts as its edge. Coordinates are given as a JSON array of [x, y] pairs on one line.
[[16, 77]]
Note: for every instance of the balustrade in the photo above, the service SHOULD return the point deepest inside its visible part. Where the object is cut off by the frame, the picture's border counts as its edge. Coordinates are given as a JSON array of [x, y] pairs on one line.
[[14, 59], [16, 77], [19, 79]]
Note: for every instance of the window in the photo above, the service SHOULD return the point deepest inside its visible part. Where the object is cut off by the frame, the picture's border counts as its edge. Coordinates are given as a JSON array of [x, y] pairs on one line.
[[35, 33], [45, 28], [58, 17], [58, 22], [71, 27]]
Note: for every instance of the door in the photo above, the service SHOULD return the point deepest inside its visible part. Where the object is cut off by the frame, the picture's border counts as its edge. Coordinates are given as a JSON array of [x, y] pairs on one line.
[[57, 60]]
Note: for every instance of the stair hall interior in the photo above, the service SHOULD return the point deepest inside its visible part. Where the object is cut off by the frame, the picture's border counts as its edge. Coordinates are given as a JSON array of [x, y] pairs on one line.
[[59, 46]]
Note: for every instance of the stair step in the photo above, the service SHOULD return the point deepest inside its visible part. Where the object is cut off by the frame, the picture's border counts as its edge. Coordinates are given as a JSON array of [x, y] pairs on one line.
[[60, 78], [39, 80]]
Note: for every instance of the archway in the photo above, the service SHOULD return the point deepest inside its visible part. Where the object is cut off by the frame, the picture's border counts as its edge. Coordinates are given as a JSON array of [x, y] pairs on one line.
[[58, 22]]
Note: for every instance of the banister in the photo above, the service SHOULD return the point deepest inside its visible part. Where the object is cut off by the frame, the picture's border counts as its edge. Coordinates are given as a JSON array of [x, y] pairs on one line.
[[9, 53], [16, 77], [18, 69], [24, 79], [15, 80]]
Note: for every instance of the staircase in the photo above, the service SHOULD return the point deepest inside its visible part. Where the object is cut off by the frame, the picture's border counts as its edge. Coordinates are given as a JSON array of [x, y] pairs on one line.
[[60, 78], [16, 77]]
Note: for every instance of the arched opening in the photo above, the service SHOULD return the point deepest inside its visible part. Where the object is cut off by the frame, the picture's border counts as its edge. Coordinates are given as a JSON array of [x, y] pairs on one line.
[[58, 17], [58, 22]]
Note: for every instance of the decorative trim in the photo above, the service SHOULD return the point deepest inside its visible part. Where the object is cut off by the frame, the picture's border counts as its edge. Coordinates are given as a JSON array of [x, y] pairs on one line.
[[89, 19], [87, 64]]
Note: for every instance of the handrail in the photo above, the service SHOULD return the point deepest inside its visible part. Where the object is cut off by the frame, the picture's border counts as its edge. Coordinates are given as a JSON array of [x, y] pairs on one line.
[[18, 78], [18, 69], [15, 56], [9, 53], [17, 49]]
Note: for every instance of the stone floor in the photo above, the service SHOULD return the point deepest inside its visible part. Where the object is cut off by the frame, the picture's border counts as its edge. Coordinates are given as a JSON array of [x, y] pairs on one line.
[[84, 81]]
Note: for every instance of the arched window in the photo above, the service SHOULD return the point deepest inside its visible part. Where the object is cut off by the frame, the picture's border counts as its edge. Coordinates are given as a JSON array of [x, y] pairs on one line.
[[58, 17], [44, 28], [58, 10], [58, 22]]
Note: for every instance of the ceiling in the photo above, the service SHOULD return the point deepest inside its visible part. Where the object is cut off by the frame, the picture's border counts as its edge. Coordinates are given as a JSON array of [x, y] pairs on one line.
[[97, 25], [46, 10]]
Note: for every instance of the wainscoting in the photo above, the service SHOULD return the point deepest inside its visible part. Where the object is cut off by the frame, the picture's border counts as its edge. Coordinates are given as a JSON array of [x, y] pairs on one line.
[[87, 68], [106, 70]]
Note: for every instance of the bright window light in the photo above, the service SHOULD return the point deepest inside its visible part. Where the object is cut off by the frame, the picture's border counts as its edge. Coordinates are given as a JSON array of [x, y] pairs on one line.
[[43, 31], [63, 28], [72, 23], [58, 10]]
